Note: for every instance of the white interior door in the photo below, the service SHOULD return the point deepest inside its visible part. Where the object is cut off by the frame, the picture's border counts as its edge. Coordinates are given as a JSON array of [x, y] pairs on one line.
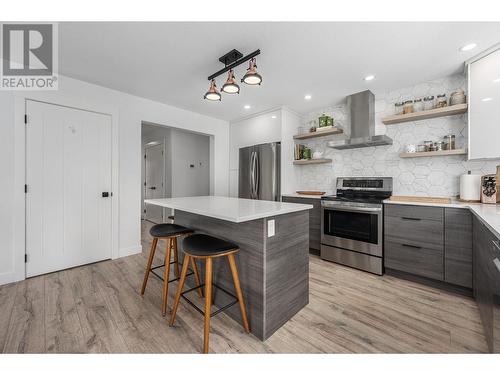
[[68, 168], [154, 175]]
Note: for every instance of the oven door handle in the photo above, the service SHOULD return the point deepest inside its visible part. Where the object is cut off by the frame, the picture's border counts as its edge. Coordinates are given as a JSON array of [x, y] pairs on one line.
[[354, 209]]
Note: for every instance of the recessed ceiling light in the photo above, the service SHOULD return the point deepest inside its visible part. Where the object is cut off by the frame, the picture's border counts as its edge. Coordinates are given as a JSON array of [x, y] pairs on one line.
[[496, 80], [468, 47], [246, 106], [307, 97], [369, 78], [153, 143], [486, 99], [274, 116]]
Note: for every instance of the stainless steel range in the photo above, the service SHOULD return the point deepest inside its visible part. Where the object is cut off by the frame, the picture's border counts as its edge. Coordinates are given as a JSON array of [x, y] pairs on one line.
[[352, 222]]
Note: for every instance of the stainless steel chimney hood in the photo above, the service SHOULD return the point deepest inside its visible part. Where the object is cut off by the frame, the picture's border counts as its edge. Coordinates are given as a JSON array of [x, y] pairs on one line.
[[362, 110]]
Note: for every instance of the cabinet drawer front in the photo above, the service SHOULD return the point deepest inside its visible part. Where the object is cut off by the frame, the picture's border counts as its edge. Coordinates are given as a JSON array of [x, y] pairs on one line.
[[414, 212], [418, 261], [426, 233], [458, 272], [458, 247]]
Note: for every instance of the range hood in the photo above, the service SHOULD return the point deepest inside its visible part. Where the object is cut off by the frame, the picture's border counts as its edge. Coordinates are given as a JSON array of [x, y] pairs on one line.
[[362, 110]]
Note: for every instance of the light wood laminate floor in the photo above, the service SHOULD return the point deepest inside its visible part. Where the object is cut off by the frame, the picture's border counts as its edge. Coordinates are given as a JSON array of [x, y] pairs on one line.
[[98, 309]]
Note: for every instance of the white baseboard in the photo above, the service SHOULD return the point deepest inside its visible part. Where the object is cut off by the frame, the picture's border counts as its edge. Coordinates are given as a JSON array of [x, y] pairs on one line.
[[11, 277], [126, 251]]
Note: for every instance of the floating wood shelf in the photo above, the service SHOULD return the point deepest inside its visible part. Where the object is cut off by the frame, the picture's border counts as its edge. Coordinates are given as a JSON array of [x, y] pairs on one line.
[[460, 151], [311, 161], [321, 133], [424, 115]]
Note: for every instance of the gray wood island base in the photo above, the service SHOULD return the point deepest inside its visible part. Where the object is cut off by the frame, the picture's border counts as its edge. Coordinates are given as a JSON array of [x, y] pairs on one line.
[[274, 271], [273, 263]]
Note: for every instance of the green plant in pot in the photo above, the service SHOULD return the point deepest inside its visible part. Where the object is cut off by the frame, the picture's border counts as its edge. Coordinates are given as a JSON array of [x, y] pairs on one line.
[[323, 120]]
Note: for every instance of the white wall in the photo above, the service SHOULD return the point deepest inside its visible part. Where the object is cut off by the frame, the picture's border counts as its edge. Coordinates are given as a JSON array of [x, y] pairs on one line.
[[7, 208], [428, 176], [188, 149], [129, 111]]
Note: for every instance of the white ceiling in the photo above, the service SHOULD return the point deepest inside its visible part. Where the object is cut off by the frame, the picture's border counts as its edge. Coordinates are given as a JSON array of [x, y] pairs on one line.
[[170, 62]]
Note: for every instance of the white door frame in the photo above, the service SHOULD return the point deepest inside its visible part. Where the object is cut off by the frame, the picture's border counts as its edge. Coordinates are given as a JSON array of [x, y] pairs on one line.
[[55, 98], [164, 181]]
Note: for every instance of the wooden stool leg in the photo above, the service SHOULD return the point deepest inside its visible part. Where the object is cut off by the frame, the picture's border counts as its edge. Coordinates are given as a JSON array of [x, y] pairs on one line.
[[176, 259], [166, 275], [237, 287], [208, 302], [148, 266], [179, 290], [194, 265]]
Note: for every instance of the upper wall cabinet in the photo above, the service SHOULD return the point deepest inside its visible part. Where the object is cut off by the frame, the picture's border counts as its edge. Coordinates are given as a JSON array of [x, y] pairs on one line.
[[484, 106]]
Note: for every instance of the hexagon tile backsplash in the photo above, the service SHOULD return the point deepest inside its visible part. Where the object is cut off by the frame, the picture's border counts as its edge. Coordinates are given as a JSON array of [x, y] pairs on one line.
[[427, 176]]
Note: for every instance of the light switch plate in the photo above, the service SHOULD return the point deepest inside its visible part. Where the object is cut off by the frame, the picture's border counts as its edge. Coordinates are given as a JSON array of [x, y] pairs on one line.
[[270, 228]]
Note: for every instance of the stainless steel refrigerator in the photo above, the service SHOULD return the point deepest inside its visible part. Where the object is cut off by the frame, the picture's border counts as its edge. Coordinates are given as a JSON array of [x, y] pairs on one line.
[[260, 172]]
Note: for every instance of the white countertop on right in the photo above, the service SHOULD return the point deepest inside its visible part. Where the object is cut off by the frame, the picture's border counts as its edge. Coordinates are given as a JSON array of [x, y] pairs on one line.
[[489, 214]]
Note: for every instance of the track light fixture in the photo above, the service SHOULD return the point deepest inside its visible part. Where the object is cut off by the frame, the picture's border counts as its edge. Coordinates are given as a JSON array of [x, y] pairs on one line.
[[212, 94], [231, 87], [231, 60], [251, 77]]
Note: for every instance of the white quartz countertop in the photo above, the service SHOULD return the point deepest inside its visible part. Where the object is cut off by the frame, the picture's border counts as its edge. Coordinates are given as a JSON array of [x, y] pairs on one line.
[[237, 210], [489, 214], [295, 195]]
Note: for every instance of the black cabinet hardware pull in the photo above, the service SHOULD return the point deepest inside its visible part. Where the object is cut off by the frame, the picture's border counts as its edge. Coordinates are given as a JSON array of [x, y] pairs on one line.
[[412, 246], [410, 218]]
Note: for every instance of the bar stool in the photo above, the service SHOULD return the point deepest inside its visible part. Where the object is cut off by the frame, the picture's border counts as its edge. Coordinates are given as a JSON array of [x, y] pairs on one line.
[[170, 233], [202, 246]]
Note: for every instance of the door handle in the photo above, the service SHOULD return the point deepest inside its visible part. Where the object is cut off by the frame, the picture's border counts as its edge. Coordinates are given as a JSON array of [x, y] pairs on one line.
[[412, 246], [105, 194]]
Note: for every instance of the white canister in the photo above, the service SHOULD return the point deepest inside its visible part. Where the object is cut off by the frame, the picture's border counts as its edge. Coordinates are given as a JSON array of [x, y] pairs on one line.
[[411, 148], [470, 187], [317, 155]]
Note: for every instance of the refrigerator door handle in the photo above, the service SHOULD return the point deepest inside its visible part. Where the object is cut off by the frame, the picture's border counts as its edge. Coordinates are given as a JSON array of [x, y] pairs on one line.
[[257, 175], [252, 175], [273, 191]]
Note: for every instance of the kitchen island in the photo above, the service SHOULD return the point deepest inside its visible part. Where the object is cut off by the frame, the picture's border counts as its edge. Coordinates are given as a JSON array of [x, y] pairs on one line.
[[273, 261]]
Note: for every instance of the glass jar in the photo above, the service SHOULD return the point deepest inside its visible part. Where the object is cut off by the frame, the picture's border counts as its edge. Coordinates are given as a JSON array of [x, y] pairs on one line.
[[441, 101], [398, 108], [418, 105], [408, 107], [428, 102], [450, 141], [439, 146]]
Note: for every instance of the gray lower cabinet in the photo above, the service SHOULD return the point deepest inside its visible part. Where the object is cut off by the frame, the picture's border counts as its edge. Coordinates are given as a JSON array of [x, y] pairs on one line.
[[458, 247], [314, 219], [487, 281], [433, 242], [414, 240]]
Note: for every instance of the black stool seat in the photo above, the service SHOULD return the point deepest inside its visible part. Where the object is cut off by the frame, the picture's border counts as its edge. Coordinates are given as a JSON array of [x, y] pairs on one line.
[[168, 230], [205, 245]]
